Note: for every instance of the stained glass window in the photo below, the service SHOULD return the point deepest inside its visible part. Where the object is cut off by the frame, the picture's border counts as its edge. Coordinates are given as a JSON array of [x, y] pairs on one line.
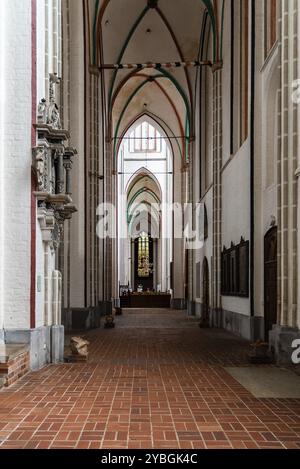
[[144, 269]]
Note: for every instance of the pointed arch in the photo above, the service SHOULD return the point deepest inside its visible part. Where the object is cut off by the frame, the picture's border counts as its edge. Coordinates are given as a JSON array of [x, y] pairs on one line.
[[156, 123], [147, 79], [140, 174], [140, 192], [135, 92]]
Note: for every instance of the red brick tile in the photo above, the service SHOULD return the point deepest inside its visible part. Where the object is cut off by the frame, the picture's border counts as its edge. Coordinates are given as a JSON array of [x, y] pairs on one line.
[[147, 392]]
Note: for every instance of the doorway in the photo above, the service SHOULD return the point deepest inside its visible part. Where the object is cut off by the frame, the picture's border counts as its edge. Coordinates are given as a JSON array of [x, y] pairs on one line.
[[205, 293], [270, 281]]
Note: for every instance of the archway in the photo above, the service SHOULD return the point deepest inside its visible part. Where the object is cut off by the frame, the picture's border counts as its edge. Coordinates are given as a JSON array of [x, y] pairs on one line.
[[270, 280], [145, 190], [205, 317]]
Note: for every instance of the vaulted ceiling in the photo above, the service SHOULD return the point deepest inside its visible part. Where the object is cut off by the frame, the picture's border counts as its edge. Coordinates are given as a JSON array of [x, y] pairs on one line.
[[139, 31]]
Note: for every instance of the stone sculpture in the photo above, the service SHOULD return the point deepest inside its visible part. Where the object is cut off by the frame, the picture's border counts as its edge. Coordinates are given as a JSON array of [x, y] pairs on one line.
[[79, 346], [39, 165]]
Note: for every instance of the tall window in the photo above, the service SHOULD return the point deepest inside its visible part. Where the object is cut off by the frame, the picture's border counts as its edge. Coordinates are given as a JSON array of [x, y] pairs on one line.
[[144, 269], [240, 73], [271, 11], [146, 139]]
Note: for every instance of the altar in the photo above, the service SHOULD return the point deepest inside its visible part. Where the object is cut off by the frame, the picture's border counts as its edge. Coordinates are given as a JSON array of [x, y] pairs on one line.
[[145, 300]]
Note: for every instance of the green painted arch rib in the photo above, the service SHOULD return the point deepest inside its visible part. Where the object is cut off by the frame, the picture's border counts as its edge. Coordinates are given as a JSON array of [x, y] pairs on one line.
[[211, 12], [179, 89], [142, 191], [123, 113], [187, 140], [139, 177], [222, 30], [208, 4], [97, 6], [123, 49], [131, 98], [163, 126]]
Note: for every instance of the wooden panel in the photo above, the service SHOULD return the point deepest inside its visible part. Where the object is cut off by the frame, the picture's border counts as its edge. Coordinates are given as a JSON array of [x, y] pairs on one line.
[[270, 281], [198, 280], [235, 270]]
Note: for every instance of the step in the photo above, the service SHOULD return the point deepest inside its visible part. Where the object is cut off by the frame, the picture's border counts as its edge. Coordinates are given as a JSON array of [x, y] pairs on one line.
[[14, 363], [10, 351]]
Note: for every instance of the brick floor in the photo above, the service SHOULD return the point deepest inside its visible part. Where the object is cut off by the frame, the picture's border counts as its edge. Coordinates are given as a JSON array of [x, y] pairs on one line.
[[155, 381]]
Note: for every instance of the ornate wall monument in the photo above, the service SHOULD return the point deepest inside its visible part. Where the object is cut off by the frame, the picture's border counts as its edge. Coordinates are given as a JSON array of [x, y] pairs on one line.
[[52, 163]]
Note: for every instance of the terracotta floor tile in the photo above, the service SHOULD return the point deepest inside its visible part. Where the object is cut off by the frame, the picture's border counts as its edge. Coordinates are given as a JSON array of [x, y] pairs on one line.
[[156, 381]]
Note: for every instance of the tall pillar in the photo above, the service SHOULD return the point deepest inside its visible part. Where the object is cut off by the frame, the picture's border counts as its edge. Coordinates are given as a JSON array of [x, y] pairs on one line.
[[74, 120], [216, 299], [287, 328], [298, 176]]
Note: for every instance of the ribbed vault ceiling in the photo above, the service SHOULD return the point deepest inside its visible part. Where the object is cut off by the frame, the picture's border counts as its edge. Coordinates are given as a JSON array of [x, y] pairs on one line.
[[139, 31]]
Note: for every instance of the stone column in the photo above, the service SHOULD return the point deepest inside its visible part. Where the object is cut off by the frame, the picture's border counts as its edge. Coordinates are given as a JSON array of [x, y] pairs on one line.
[[216, 298], [60, 179], [68, 168], [109, 158], [192, 252], [57, 330], [56, 297], [132, 264], [47, 223], [298, 172], [286, 330]]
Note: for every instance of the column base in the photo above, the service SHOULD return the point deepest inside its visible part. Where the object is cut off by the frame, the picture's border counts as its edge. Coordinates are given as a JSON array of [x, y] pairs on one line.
[[250, 328], [198, 309], [280, 340], [116, 302], [81, 319], [46, 344], [57, 344], [191, 307], [178, 303], [106, 308]]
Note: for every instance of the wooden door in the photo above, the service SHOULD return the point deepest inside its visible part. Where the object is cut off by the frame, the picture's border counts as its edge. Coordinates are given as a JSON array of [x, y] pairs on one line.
[[270, 281], [205, 290], [187, 277]]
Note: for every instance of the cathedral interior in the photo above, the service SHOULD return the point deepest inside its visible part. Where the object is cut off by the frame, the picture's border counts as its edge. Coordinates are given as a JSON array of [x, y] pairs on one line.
[[150, 248]]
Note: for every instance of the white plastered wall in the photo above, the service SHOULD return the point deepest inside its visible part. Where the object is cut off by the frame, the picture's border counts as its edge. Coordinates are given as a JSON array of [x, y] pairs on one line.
[[77, 270], [235, 214], [15, 23]]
